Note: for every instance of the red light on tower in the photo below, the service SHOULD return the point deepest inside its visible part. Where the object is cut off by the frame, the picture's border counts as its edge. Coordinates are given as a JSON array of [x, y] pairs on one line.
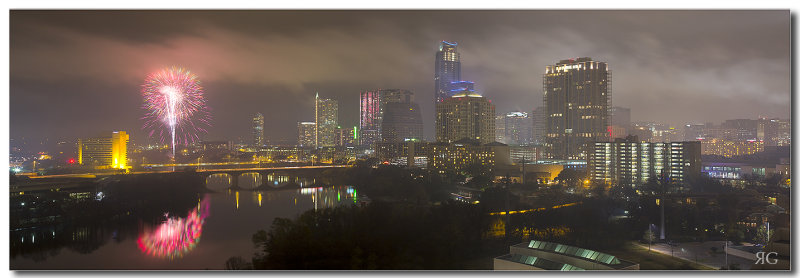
[[71, 161]]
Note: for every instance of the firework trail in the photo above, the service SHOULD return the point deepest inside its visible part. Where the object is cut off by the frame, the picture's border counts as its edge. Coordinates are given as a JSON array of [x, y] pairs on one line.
[[176, 108]]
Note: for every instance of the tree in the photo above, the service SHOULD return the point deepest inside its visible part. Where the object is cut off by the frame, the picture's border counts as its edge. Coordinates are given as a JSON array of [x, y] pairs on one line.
[[649, 236], [762, 235]]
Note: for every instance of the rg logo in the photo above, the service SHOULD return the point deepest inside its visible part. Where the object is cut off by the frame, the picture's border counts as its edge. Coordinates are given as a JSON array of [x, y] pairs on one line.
[[765, 257]]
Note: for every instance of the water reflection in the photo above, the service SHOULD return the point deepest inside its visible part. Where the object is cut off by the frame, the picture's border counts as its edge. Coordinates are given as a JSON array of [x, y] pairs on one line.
[[328, 197], [250, 180], [176, 235], [219, 182]]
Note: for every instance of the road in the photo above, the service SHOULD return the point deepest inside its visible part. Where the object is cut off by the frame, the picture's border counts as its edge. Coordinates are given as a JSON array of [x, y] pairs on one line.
[[700, 252], [94, 175]]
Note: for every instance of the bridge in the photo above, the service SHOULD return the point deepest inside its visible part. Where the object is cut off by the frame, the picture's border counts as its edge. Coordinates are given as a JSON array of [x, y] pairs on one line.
[[267, 177], [264, 178]]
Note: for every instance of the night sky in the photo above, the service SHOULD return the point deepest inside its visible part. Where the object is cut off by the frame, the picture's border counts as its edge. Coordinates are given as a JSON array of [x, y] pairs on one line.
[[78, 73]]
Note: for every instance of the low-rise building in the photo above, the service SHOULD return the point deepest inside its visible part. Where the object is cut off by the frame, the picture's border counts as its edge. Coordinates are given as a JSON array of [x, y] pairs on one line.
[[542, 255]]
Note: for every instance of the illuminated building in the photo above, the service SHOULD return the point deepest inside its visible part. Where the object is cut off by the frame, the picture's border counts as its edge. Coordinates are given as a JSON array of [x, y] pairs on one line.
[[390, 112], [729, 148], [632, 162], [500, 129], [518, 128], [465, 115], [283, 154], [448, 69], [467, 155], [527, 152], [620, 122], [577, 100], [346, 136], [105, 152], [774, 132], [412, 153], [326, 117], [305, 134], [258, 130]]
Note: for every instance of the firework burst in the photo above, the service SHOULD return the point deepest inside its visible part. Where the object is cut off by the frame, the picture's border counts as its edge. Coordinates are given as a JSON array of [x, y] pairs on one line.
[[176, 108]]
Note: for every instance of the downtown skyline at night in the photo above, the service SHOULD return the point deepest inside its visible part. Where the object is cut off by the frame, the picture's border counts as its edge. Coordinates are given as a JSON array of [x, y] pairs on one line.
[[687, 61], [479, 140]]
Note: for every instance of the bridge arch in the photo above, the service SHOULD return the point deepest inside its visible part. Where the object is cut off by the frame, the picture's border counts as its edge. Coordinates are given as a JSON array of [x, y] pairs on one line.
[[219, 181], [250, 180]]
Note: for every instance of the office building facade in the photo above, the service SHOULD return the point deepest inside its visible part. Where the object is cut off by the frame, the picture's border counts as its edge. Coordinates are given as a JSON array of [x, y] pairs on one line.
[[466, 115], [258, 130], [447, 69], [326, 117], [391, 113], [103, 152], [577, 100], [305, 134], [518, 128], [632, 162]]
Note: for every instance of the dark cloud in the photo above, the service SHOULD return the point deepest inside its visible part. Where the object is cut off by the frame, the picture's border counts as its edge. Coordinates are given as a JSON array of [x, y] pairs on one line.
[[668, 66]]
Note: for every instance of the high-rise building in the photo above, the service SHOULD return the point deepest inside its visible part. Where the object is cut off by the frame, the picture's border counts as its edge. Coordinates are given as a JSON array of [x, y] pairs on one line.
[[306, 134], [500, 129], [518, 128], [346, 137], [577, 100], [258, 130], [390, 112], [465, 115], [402, 121], [448, 70], [632, 162], [326, 117], [539, 118], [105, 152]]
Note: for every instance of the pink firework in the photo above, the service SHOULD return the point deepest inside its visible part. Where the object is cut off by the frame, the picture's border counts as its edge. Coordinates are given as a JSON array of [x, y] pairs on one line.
[[176, 108], [176, 236]]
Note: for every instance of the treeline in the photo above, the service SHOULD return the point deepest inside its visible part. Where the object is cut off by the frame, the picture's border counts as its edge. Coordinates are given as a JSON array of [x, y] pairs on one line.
[[377, 236]]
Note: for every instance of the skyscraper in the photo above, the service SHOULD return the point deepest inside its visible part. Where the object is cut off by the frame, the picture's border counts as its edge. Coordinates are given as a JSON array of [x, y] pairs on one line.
[[258, 130], [518, 128], [539, 119], [390, 112], [402, 121], [577, 99], [500, 129], [305, 134], [448, 70], [465, 115], [326, 116]]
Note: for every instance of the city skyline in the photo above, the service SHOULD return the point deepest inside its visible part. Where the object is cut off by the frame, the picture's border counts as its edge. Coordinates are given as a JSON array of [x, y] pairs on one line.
[[237, 86]]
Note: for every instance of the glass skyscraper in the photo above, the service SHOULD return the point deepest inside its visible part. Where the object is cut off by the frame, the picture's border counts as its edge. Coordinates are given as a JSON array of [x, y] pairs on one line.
[[448, 70], [326, 117], [258, 130], [577, 100]]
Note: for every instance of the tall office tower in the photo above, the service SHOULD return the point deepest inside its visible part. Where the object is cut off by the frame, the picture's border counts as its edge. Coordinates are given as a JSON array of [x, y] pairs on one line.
[[370, 118], [539, 119], [326, 117], [402, 121], [105, 152], [306, 134], [405, 118], [448, 70], [465, 115], [692, 132], [345, 137], [500, 129], [258, 130], [577, 98], [518, 128]]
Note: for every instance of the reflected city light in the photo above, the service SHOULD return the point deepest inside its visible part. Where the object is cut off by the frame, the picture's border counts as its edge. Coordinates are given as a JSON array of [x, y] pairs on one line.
[[176, 236]]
